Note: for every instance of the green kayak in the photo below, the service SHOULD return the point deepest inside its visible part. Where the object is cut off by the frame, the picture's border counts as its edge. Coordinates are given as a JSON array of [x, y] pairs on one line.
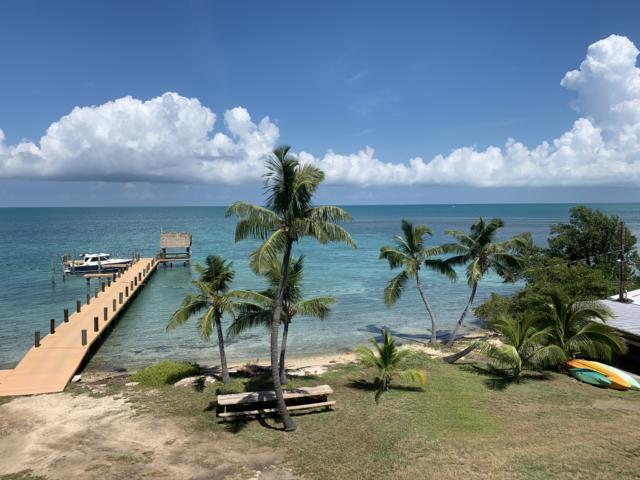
[[589, 376]]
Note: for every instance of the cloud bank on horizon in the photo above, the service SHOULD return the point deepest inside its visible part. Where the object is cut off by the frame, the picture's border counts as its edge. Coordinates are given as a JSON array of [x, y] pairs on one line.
[[171, 138]]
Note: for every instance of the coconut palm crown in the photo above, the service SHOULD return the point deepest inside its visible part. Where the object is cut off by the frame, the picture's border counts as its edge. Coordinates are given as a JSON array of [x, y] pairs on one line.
[[288, 215], [410, 253], [480, 252]]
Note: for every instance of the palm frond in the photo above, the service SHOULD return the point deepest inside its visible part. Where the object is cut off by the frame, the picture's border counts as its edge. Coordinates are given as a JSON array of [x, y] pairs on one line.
[[395, 287]]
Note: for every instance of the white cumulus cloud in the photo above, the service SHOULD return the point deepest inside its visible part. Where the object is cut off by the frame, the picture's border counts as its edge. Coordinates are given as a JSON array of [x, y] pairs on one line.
[[174, 139]]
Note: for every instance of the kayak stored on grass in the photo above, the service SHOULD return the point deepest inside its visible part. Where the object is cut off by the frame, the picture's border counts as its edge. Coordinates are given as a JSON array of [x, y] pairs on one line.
[[618, 382], [591, 377]]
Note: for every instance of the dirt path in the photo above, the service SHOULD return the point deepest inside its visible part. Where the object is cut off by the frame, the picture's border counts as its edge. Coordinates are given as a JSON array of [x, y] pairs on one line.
[[64, 436]]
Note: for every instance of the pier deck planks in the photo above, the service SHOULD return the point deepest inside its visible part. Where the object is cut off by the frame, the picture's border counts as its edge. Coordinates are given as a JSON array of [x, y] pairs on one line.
[[49, 367]]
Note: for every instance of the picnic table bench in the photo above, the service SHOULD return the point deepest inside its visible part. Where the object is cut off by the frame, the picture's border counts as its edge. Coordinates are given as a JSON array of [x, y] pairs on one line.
[[257, 403]]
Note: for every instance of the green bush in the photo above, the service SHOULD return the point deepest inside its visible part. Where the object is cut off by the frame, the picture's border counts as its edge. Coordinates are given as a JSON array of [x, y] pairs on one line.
[[166, 372], [234, 386]]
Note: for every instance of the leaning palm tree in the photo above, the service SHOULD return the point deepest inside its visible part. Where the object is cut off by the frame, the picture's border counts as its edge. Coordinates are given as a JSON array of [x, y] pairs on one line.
[[522, 345], [479, 251], [257, 309], [578, 327], [213, 300], [289, 214], [386, 359], [410, 253]]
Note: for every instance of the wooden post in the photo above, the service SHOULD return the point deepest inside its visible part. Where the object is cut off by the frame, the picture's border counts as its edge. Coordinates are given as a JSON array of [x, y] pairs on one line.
[[52, 326], [120, 298], [77, 306], [97, 291], [83, 337], [88, 299], [139, 276], [66, 315], [105, 313], [135, 281], [126, 291], [621, 265], [131, 286], [96, 324], [114, 304], [36, 339]]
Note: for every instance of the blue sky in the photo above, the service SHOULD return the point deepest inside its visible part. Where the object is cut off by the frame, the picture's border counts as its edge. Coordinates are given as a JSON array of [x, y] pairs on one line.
[[407, 79]]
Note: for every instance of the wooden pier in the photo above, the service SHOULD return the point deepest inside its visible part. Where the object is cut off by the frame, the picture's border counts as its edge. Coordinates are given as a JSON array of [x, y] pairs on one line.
[[53, 360]]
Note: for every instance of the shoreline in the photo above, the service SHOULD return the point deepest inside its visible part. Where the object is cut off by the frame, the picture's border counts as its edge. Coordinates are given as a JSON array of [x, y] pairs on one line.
[[317, 364]]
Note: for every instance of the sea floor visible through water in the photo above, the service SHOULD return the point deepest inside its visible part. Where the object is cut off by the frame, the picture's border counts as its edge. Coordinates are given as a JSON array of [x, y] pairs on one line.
[[32, 240]]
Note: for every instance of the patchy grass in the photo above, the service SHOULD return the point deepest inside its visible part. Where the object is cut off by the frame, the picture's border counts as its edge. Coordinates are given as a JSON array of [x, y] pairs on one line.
[[164, 373], [468, 421]]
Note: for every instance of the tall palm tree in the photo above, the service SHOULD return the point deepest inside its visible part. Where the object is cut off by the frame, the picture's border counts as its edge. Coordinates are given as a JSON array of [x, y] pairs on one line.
[[213, 300], [578, 327], [257, 309], [410, 253], [479, 251], [386, 359], [523, 344], [289, 214]]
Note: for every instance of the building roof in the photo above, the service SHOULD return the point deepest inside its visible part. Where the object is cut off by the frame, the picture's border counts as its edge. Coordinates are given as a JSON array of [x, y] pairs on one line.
[[626, 315]]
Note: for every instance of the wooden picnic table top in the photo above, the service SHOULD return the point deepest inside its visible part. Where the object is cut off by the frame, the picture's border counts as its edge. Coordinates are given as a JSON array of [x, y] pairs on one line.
[[269, 395]]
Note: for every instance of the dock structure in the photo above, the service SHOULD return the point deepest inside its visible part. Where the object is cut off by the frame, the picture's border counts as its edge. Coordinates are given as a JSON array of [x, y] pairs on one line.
[[53, 360], [175, 247]]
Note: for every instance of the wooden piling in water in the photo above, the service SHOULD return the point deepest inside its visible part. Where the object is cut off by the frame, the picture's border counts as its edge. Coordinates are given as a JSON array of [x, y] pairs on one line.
[[96, 324], [83, 337], [66, 315], [77, 306], [36, 339], [52, 326]]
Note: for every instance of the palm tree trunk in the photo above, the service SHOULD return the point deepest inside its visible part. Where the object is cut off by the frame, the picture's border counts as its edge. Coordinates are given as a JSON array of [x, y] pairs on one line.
[[289, 424], [464, 314], [223, 355], [432, 315], [283, 348]]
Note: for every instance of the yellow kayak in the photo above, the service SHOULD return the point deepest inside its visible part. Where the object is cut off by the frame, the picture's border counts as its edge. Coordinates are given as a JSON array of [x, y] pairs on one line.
[[618, 382]]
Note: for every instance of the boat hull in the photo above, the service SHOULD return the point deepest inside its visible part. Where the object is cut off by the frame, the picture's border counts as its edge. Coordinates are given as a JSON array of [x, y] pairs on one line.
[[586, 375], [618, 382]]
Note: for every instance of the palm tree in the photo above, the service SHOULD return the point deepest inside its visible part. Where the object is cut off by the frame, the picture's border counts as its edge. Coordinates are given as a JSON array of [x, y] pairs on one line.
[[214, 299], [523, 344], [481, 253], [386, 359], [578, 327], [410, 253], [288, 215], [257, 309]]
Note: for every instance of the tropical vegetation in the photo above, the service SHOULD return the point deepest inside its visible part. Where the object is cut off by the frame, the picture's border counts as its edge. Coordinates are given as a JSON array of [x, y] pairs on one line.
[[411, 254], [386, 359], [212, 301], [257, 309], [287, 216], [479, 251]]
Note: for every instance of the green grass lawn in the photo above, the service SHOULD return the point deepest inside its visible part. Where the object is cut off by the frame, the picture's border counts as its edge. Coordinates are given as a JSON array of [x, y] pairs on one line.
[[467, 421]]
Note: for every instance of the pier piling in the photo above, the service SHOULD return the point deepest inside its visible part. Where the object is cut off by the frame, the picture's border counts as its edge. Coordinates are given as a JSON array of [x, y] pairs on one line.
[[83, 337], [105, 312], [88, 299], [36, 340], [120, 298], [77, 306], [52, 326], [66, 315], [96, 324], [114, 304]]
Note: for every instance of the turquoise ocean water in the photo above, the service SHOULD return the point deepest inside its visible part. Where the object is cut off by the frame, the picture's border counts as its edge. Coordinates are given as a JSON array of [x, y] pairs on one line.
[[31, 238]]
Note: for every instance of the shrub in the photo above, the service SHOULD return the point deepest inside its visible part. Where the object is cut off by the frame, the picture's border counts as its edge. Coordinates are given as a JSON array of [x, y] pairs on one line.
[[166, 372], [233, 386]]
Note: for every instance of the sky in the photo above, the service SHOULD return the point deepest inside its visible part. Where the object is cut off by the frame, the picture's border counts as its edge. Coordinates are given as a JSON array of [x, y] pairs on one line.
[[180, 103]]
